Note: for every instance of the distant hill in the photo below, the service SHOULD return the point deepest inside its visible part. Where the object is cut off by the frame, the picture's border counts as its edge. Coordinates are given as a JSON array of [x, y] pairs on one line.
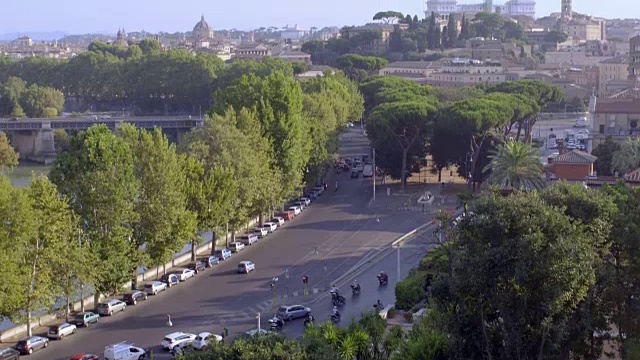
[[35, 35]]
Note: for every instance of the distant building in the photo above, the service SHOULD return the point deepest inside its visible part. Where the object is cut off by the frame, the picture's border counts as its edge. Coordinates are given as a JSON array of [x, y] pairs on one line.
[[585, 29], [571, 165], [202, 32], [587, 78], [634, 58], [252, 51], [376, 46], [121, 39], [293, 56], [512, 7], [412, 70], [612, 70], [467, 72], [22, 42], [292, 33], [618, 118]]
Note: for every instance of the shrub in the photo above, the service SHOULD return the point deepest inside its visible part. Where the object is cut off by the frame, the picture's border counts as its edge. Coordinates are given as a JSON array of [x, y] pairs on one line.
[[408, 316], [410, 291], [391, 313]]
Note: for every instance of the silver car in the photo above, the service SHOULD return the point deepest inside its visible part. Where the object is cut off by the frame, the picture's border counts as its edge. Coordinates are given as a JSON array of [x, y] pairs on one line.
[[60, 331], [109, 307], [293, 312]]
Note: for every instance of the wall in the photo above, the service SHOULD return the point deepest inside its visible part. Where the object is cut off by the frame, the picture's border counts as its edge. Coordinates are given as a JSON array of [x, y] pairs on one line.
[[573, 171], [23, 141]]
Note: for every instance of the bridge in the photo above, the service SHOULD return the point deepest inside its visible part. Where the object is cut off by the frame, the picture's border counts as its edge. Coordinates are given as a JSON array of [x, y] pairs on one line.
[[34, 140]]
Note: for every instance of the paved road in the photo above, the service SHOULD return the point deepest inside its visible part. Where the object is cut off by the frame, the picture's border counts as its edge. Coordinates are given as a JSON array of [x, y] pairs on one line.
[[410, 255], [334, 233]]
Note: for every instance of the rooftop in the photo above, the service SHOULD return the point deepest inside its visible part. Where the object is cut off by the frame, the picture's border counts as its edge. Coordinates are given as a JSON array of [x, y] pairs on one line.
[[622, 59], [410, 65], [618, 106], [575, 157]]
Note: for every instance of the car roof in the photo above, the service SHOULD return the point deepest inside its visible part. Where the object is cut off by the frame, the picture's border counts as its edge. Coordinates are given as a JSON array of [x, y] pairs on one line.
[[176, 334], [245, 262], [235, 243], [204, 334]]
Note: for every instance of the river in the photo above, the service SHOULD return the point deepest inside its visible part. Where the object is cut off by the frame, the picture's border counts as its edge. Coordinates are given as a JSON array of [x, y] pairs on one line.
[[21, 175]]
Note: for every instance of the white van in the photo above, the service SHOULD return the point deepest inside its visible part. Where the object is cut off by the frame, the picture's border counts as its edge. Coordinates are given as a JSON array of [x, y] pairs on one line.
[[123, 351]]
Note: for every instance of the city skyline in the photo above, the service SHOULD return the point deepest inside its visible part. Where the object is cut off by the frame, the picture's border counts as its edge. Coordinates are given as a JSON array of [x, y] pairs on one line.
[[76, 17]]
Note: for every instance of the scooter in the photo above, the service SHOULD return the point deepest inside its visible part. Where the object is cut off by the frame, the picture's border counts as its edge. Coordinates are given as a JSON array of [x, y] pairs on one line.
[[383, 280], [337, 299], [335, 317], [355, 289], [309, 321], [276, 324]]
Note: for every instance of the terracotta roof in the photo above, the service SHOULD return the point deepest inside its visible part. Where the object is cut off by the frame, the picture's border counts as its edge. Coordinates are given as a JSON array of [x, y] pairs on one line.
[[618, 106], [575, 157]]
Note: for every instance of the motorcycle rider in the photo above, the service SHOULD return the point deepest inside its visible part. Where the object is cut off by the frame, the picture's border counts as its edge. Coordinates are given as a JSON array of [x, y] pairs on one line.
[[355, 286], [335, 312], [383, 276], [379, 305]]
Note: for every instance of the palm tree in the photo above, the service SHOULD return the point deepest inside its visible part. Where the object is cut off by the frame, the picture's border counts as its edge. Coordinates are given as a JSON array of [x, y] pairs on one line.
[[515, 165]]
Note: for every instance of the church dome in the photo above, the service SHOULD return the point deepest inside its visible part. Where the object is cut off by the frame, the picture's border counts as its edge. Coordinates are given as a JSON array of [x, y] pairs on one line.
[[202, 26]]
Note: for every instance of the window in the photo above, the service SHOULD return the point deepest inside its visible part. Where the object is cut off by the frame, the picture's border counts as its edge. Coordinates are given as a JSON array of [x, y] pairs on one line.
[[601, 129]]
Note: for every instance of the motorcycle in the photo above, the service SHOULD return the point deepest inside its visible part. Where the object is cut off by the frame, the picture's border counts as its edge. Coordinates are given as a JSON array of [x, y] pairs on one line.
[[337, 299], [276, 324], [355, 289], [335, 317], [383, 280]]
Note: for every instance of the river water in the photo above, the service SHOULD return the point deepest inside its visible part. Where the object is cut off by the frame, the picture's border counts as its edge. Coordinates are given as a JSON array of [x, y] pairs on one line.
[[21, 175]]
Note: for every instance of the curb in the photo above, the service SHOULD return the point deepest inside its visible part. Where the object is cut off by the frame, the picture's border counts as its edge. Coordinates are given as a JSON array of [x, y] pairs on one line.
[[362, 265]]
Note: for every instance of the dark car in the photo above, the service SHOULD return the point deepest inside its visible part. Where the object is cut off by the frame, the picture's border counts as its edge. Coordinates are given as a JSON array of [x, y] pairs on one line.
[[170, 279], [30, 344], [209, 261], [310, 195], [132, 298], [355, 174], [196, 266], [9, 354]]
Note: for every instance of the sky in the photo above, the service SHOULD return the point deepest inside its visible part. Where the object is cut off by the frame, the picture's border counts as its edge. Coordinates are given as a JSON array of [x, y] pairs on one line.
[[82, 16]]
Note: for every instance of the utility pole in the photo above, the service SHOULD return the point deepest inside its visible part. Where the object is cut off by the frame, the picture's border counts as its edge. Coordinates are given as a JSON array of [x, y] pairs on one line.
[[374, 174]]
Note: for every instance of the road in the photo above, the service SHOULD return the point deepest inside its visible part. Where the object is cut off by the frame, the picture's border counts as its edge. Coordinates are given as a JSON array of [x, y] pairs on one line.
[[332, 234], [410, 255]]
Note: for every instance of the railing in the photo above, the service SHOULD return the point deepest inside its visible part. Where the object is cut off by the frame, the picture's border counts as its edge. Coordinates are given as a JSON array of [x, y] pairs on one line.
[[83, 124]]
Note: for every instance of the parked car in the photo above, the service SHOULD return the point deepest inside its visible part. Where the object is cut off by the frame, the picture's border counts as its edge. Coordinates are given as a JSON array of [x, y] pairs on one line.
[[299, 204], [248, 239], [83, 356], [296, 209], [203, 339], [133, 297], [305, 200], [170, 279], [155, 287], [60, 331], [83, 319], [9, 354], [311, 195], [177, 340], [260, 232], [111, 306], [278, 220], [184, 274], [210, 261], [319, 189], [270, 226], [244, 267], [293, 312], [30, 344], [196, 267], [236, 246], [223, 254], [287, 215]]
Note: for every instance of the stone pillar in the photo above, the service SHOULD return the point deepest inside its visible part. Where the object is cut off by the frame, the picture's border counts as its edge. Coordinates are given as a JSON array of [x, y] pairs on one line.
[[44, 146], [23, 141], [180, 136]]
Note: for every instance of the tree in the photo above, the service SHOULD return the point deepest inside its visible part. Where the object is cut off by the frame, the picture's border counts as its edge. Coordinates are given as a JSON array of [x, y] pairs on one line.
[[512, 31], [401, 125], [13, 228], [464, 28], [517, 307], [432, 41], [556, 37], [354, 65], [388, 17], [98, 175], [444, 38], [452, 29], [8, 156], [39, 101], [10, 94], [488, 25], [164, 224], [627, 158], [272, 347], [515, 165], [605, 152], [150, 46]]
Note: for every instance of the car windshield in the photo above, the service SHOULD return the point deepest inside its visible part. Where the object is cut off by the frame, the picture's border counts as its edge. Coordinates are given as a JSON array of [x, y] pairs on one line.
[[199, 338], [168, 339], [218, 252], [148, 286], [22, 342], [103, 306], [282, 309], [53, 328]]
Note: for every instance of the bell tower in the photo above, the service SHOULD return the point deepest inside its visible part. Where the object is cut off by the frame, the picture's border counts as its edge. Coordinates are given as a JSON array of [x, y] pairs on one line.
[[567, 11]]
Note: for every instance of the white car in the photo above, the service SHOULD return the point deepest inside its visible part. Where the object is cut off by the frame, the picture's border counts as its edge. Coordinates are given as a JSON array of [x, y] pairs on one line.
[[185, 274], [177, 341], [155, 287], [300, 204], [203, 339], [245, 267], [260, 232], [296, 210], [236, 246], [278, 220], [270, 226], [60, 331], [306, 201]]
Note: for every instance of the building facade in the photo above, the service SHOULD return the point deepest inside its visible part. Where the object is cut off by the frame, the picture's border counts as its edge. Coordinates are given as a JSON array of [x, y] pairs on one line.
[[634, 58], [466, 72], [618, 118], [512, 7], [292, 33], [584, 30], [612, 70], [202, 32]]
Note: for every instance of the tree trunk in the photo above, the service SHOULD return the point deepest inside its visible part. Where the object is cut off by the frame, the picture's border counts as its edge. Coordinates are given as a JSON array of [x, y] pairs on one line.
[[404, 168], [68, 307], [82, 297], [233, 232], [261, 219], [96, 300], [193, 250], [29, 327], [439, 175]]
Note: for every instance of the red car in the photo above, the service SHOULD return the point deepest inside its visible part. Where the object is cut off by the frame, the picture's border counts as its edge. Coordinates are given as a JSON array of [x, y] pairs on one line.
[[83, 356], [287, 215]]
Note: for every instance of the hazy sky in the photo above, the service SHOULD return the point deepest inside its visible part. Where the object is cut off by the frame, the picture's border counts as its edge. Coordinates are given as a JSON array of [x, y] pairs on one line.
[[81, 16]]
